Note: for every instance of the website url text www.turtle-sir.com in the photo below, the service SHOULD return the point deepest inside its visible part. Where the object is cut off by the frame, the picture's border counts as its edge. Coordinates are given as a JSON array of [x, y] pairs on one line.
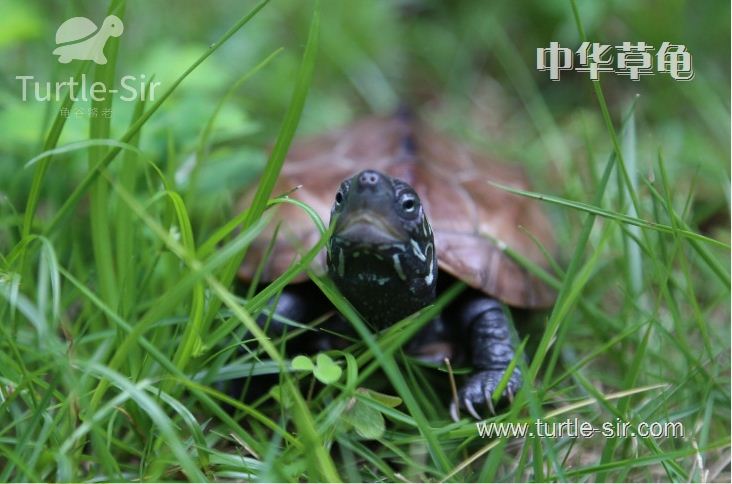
[[576, 428]]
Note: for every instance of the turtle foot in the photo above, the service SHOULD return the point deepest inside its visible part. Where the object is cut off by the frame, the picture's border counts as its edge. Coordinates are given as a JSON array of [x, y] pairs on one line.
[[478, 390]]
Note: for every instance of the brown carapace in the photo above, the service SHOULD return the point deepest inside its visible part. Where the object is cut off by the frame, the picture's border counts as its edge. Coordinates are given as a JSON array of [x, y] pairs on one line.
[[473, 221]]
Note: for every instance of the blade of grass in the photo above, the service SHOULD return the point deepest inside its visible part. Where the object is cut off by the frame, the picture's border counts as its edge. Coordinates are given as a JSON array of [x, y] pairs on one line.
[[127, 236], [52, 138], [190, 420], [672, 468], [260, 301], [634, 268], [22, 442], [191, 341], [615, 216], [322, 461], [562, 303], [277, 157], [156, 414], [99, 127], [608, 121], [208, 128], [198, 390], [637, 461], [94, 173], [186, 255]]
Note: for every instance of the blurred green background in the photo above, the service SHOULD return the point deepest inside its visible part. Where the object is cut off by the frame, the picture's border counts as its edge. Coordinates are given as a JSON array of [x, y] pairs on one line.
[[469, 66]]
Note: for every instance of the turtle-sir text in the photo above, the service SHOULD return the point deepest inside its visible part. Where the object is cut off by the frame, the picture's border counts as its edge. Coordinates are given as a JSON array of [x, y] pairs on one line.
[[131, 88]]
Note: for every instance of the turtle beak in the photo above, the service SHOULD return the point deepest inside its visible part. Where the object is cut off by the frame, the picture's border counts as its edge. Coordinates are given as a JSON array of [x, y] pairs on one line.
[[368, 217], [367, 227]]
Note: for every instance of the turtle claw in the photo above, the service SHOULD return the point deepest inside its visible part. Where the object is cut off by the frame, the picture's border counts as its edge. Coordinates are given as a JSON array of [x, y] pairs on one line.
[[489, 402], [479, 389], [471, 409], [454, 412]]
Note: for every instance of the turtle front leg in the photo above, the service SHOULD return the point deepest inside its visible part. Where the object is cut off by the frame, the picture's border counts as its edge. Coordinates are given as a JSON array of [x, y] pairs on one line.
[[491, 348], [303, 303]]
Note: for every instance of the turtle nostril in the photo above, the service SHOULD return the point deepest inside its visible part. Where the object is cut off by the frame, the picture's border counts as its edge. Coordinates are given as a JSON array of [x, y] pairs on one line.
[[368, 179]]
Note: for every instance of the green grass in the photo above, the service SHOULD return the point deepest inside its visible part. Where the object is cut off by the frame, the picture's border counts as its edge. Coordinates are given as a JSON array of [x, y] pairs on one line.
[[120, 327]]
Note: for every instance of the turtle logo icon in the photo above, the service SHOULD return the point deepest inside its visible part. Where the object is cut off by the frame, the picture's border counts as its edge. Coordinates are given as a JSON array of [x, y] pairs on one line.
[[79, 39]]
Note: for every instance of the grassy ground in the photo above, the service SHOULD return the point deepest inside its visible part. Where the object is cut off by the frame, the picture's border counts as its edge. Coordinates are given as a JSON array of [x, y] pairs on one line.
[[119, 240]]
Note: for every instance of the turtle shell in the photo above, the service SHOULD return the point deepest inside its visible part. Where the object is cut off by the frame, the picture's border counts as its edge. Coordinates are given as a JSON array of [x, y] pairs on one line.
[[74, 29], [473, 221]]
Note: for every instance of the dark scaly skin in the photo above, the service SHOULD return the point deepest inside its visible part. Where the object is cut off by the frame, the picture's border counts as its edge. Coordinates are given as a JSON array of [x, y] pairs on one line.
[[381, 255], [382, 258]]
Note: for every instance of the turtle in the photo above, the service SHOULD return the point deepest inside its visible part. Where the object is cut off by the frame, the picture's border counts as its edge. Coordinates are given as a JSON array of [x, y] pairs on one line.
[[79, 39], [411, 206]]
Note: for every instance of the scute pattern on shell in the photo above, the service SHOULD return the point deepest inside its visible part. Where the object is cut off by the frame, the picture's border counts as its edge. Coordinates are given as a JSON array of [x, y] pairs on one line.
[[471, 219]]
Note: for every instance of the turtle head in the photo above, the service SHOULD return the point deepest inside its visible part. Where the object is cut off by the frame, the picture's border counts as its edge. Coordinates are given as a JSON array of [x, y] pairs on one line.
[[113, 25], [381, 254]]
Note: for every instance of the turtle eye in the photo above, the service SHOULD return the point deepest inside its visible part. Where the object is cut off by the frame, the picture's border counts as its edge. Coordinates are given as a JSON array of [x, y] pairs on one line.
[[341, 194], [408, 203]]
